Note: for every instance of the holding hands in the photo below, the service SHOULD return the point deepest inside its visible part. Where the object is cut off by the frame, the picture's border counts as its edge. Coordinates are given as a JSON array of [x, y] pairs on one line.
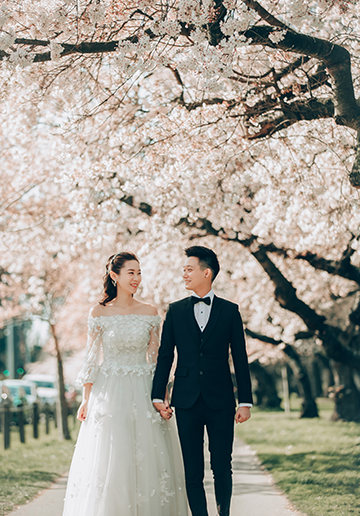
[[163, 408]]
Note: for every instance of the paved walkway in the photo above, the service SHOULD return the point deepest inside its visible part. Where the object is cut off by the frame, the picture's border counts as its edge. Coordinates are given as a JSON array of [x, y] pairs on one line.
[[253, 494]]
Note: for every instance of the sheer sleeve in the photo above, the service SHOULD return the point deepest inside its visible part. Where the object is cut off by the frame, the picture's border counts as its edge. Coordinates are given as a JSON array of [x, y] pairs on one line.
[[154, 343], [90, 368]]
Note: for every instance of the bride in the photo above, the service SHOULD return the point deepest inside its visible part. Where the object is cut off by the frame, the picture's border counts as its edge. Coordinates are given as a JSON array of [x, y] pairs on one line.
[[127, 459]]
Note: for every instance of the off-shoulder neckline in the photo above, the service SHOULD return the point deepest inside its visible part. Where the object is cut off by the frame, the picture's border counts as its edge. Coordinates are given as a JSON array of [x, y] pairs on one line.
[[121, 315]]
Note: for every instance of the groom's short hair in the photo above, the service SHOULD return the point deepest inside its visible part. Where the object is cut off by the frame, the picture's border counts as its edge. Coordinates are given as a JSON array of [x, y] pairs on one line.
[[207, 258]]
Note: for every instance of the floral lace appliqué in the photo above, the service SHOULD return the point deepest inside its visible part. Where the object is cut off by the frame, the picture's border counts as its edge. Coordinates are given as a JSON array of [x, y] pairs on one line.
[[165, 493], [128, 344], [139, 454]]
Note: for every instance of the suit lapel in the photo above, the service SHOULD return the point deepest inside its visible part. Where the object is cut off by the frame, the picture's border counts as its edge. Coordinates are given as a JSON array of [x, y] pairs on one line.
[[190, 318], [214, 316]]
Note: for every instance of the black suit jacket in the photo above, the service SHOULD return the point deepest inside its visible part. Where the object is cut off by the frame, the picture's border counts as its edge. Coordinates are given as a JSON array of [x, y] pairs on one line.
[[203, 358]]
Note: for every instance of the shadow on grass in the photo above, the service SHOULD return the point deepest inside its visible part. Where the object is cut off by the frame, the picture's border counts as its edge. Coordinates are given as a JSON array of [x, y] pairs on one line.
[[28, 477], [325, 469]]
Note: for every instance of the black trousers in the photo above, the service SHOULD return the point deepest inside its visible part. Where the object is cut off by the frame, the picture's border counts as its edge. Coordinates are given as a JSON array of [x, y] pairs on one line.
[[220, 429]]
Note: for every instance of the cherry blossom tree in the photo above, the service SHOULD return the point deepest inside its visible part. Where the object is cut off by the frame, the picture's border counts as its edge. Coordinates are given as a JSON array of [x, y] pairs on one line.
[[151, 125], [264, 65]]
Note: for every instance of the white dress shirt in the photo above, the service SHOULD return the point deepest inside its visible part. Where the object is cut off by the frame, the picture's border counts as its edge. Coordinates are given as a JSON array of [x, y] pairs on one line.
[[202, 313]]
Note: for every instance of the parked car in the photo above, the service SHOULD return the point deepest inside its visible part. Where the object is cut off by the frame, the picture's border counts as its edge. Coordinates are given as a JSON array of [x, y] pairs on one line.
[[46, 388], [5, 394], [20, 391]]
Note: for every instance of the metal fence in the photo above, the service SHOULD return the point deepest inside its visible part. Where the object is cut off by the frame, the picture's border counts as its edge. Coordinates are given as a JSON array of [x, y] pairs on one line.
[[12, 417]]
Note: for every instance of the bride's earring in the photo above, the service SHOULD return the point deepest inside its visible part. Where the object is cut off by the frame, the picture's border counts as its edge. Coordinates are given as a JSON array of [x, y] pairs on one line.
[[114, 282]]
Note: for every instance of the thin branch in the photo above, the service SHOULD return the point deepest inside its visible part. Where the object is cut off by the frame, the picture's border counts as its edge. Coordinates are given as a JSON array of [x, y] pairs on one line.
[[26, 228], [265, 15], [19, 196]]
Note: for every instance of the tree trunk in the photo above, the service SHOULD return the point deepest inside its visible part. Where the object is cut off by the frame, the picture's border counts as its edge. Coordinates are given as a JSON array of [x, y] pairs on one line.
[[346, 395], [315, 377], [328, 380], [309, 407], [62, 400], [285, 295], [265, 391]]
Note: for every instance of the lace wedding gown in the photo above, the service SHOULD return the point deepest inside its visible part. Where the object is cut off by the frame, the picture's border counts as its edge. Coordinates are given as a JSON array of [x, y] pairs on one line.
[[127, 459]]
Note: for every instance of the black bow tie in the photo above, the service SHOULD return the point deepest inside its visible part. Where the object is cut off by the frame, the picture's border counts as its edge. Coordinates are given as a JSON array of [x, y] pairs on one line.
[[205, 300]]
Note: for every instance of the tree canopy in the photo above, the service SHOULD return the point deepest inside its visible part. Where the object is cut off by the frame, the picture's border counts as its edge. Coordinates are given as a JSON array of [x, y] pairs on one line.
[[149, 124], [264, 65]]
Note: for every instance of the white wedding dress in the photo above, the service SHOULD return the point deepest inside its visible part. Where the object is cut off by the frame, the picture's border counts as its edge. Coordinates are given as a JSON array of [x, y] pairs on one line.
[[127, 460]]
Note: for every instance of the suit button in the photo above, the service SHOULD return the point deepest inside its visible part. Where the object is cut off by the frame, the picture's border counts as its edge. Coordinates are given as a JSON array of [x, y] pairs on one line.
[[201, 354], [201, 340], [201, 372]]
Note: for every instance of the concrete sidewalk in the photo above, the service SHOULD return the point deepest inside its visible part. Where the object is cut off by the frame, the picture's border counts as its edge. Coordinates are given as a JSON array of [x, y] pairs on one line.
[[47, 503], [254, 493]]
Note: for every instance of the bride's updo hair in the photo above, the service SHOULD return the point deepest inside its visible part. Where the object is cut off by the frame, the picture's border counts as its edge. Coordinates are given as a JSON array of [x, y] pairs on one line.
[[115, 263]]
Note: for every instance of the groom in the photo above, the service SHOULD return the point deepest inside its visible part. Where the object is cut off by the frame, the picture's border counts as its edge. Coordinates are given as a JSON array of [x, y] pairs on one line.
[[202, 328]]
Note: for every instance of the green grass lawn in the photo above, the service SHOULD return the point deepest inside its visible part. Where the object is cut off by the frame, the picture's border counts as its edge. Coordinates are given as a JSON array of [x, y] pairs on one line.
[[316, 462], [26, 469]]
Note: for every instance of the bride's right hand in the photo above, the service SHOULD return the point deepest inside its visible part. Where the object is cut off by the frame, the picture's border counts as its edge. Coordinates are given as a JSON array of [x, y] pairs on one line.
[[164, 409], [82, 411]]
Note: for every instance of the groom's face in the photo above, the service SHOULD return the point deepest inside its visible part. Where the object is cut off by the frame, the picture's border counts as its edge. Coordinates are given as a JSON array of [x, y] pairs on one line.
[[194, 276]]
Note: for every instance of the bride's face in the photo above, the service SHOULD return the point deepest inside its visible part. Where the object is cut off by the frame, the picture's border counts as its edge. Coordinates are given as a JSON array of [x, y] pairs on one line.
[[129, 277]]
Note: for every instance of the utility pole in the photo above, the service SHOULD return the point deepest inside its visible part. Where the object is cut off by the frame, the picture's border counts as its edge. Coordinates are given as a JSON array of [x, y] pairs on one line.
[[285, 383], [10, 349]]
